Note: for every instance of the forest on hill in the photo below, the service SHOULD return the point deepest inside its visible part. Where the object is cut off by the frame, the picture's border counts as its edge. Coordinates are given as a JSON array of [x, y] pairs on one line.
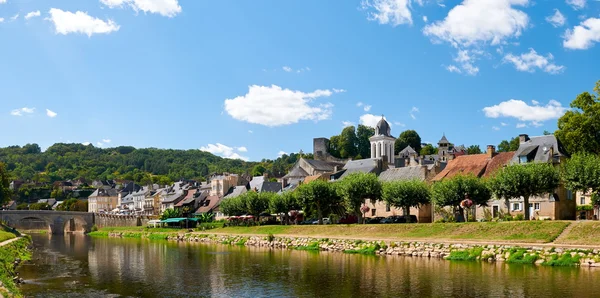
[[73, 161]]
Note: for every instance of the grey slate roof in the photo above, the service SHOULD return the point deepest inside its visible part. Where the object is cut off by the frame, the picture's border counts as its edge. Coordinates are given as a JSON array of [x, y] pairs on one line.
[[256, 181], [541, 147], [101, 192], [235, 191], [296, 172], [270, 187], [383, 128], [321, 165], [443, 140], [370, 165], [405, 173], [407, 151]]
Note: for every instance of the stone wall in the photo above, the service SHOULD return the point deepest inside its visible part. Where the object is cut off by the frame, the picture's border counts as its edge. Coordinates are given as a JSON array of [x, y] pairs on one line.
[[538, 255], [112, 220]]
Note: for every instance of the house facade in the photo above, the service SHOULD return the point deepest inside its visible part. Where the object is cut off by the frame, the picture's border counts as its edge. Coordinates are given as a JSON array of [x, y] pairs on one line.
[[103, 200]]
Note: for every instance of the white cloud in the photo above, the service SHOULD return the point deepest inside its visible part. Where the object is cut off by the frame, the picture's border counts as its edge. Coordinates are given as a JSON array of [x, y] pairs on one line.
[[100, 144], [167, 8], [399, 124], [1, 20], [287, 69], [85, 143], [503, 124], [107, 141], [370, 120], [281, 153], [535, 102], [242, 149], [393, 12], [412, 112], [577, 4], [453, 68], [250, 131], [536, 123], [521, 125], [13, 18], [275, 106], [496, 128], [480, 21], [522, 111], [531, 60], [557, 19], [67, 22], [299, 70], [51, 114], [465, 60], [32, 14], [583, 36], [347, 123], [2, 1], [22, 111], [425, 19], [367, 108], [359, 104], [338, 90], [222, 150]]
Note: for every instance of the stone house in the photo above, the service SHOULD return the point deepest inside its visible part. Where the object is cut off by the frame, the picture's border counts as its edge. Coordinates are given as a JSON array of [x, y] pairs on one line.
[[559, 205], [103, 200], [220, 184], [585, 209]]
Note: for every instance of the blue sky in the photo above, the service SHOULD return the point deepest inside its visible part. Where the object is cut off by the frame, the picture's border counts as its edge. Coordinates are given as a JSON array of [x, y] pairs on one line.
[[251, 79]]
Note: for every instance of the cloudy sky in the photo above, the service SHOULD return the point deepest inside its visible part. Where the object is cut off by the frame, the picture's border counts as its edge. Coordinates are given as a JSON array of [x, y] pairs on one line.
[[253, 79]]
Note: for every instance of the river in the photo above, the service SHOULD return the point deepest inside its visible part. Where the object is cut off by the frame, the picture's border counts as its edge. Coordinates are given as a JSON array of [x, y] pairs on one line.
[[81, 266]]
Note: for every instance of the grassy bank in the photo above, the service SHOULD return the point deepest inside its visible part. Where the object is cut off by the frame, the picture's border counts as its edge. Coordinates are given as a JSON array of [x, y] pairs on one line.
[[8, 254], [6, 236], [521, 231], [583, 233]]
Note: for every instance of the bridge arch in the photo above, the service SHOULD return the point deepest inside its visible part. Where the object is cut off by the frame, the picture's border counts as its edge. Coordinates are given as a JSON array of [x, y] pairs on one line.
[[58, 222]]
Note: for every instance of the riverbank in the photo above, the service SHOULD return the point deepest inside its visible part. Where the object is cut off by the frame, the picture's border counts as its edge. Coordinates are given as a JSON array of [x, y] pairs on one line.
[[12, 253], [528, 242]]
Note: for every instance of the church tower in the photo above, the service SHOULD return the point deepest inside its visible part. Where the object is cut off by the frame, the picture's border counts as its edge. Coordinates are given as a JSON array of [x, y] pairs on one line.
[[382, 143]]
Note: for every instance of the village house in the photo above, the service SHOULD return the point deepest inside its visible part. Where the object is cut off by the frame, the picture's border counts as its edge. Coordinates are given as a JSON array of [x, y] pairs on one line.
[[172, 195], [559, 205], [103, 200], [10, 205], [585, 208]]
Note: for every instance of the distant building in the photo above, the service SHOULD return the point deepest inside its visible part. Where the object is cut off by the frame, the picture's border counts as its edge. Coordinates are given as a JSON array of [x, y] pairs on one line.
[[103, 200]]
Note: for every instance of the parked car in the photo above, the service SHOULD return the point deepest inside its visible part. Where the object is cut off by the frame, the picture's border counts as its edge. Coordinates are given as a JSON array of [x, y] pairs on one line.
[[399, 219], [307, 222], [326, 221], [374, 220], [348, 219]]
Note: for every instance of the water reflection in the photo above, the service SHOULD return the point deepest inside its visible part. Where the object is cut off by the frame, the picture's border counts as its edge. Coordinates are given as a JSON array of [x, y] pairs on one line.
[[81, 266]]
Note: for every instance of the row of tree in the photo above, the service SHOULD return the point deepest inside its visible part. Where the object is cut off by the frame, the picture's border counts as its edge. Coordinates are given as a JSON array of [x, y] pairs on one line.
[[348, 195]]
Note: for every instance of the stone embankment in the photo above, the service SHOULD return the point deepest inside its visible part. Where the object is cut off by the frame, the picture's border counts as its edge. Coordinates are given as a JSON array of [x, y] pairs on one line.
[[550, 256]]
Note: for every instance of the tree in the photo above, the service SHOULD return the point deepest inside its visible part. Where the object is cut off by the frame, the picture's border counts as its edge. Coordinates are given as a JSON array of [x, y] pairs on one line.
[[582, 173], [235, 206], [258, 170], [257, 203], [525, 180], [357, 187], [579, 127], [5, 192], [428, 150], [474, 149], [318, 196], [506, 146], [406, 138], [405, 194], [347, 142], [363, 134], [451, 192], [170, 213]]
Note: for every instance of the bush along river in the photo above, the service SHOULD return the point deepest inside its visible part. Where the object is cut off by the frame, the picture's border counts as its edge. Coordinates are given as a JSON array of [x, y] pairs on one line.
[[83, 266]]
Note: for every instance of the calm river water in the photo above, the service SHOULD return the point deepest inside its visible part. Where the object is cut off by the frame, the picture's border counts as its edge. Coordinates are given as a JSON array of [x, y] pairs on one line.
[[81, 266]]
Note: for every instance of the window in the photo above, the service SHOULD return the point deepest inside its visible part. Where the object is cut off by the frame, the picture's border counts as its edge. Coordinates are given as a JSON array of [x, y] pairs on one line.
[[582, 200], [373, 211], [516, 206], [387, 208], [569, 195], [536, 206], [523, 159]]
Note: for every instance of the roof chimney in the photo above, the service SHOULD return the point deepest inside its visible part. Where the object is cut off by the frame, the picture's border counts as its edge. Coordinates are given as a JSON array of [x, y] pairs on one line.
[[491, 151], [523, 138]]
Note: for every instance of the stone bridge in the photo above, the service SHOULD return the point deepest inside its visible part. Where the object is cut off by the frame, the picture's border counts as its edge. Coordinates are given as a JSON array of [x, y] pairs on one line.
[[58, 222]]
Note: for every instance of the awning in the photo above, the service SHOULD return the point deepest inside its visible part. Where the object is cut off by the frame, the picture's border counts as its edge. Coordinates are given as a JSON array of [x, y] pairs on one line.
[[178, 219]]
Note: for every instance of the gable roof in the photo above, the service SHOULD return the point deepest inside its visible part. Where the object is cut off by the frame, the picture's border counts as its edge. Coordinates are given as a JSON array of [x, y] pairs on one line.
[[208, 204], [404, 173], [256, 181], [443, 140], [499, 161], [235, 191], [321, 165], [324, 176], [270, 187], [540, 146], [464, 165], [296, 172], [371, 165], [407, 151]]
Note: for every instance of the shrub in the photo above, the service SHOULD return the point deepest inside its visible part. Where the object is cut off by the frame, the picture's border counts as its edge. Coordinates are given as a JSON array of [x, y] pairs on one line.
[[521, 257], [270, 237], [366, 250], [519, 217], [311, 246], [94, 228], [565, 260], [466, 255]]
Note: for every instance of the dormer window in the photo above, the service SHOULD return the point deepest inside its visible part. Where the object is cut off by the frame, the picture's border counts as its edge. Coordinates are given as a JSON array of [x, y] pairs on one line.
[[523, 159]]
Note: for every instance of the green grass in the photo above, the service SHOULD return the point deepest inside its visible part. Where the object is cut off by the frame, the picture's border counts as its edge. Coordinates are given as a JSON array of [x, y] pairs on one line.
[[523, 231], [366, 250], [586, 233], [6, 236], [8, 254], [565, 259], [466, 255], [311, 246], [521, 256]]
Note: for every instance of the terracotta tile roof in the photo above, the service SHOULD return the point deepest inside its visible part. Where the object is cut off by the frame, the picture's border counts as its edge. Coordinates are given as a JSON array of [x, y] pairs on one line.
[[324, 176], [464, 165], [498, 162], [208, 204]]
